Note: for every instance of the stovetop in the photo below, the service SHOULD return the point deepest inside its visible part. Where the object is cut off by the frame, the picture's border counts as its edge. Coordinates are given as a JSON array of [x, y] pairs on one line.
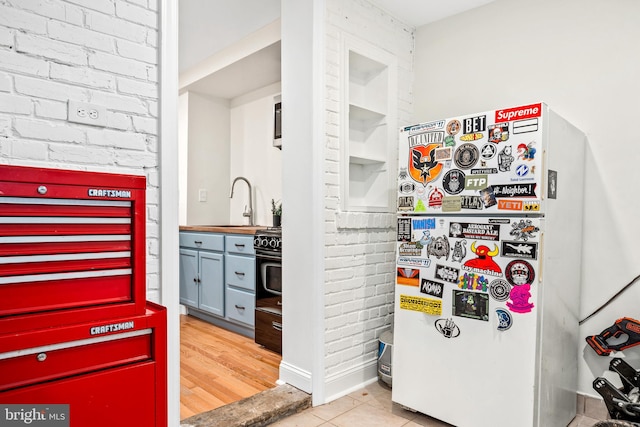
[[270, 239]]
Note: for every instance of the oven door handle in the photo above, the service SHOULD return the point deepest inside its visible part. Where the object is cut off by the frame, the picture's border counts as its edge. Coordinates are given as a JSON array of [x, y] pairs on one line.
[[269, 257]]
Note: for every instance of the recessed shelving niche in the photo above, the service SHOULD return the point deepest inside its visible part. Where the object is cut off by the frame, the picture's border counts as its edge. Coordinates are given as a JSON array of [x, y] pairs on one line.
[[369, 132]]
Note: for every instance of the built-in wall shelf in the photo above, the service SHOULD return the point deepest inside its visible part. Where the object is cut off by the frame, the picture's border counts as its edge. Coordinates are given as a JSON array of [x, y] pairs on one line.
[[369, 132]]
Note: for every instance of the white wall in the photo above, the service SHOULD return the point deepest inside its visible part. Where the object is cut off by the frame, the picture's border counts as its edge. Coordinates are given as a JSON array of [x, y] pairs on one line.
[[254, 156], [359, 248], [207, 159], [581, 58], [104, 53]]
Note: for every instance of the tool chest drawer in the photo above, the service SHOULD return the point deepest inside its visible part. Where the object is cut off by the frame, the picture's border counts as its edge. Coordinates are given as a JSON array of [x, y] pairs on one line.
[[34, 365], [72, 246]]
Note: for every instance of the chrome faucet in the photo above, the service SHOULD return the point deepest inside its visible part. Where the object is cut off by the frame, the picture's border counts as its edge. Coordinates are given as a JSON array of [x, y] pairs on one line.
[[246, 213]]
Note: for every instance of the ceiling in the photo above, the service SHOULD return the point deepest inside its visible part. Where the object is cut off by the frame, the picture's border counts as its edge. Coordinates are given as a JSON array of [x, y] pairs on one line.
[[421, 12], [206, 27]]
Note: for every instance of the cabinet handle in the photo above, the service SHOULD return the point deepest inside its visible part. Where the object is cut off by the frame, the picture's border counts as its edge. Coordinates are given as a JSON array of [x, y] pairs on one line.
[[239, 273], [239, 245], [197, 242], [239, 307], [279, 303], [196, 280], [41, 357], [276, 325]]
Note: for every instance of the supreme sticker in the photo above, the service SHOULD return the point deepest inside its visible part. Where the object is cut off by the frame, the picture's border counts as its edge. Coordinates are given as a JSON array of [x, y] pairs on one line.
[[518, 113]]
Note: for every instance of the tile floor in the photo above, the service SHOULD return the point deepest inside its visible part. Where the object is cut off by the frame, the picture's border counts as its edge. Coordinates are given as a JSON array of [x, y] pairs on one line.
[[372, 407]]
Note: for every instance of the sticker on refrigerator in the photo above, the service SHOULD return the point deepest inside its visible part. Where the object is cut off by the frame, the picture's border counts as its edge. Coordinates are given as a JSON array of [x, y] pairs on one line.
[[473, 282], [405, 203], [531, 206], [435, 198], [499, 132], [474, 124], [471, 202], [504, 319], [519, 272], [509, 205], [525, 126], [414, 262], [470, 230], [409, 249], [404, 229], [519, 299], [505, 159], [466, 156], [520, 250], [453, 182], [483, 263], [443, 154], [518, 113], [488, 151], [447, 328], [475, 182], [499, 289], [432, 288], [552, 179], [472, 305], [452, 204], [459, 251], [438, 247], [408, 276], [515, 190], [527, 151], [423, 167], [424, 305], [446, 273], [488, 197], [523, 230]]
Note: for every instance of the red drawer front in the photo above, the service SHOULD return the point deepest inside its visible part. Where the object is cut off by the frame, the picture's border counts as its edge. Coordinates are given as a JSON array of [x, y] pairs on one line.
[[130, 395], [25, 298], [35, 365]]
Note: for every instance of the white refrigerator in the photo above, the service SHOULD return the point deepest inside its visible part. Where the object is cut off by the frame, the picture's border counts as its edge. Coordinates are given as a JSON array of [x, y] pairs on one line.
[[488, 268]]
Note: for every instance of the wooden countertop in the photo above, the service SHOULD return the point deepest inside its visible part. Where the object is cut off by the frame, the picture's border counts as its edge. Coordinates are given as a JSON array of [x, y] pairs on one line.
[[227, 229]]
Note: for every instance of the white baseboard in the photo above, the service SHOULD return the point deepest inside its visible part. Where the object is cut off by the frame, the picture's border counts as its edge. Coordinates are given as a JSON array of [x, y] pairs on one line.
[[299, 378], [345, 382]]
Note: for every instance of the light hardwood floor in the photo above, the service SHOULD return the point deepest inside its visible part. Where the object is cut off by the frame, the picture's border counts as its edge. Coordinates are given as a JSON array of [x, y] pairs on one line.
[[218, 367]]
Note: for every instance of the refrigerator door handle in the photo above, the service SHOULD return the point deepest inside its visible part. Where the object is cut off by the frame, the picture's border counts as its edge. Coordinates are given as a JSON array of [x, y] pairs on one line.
[[543, 178], [541, 256]]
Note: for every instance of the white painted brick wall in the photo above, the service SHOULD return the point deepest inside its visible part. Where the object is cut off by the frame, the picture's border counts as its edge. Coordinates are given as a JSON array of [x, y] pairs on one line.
[[359, 247], [97, 51]]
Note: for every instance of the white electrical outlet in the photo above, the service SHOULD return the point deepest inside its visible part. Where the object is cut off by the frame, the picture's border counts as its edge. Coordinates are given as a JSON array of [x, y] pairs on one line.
[[202, 195], [88, 114]]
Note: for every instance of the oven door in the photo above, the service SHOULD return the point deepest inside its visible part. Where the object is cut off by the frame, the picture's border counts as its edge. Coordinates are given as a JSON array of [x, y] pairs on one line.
[[268, 275]]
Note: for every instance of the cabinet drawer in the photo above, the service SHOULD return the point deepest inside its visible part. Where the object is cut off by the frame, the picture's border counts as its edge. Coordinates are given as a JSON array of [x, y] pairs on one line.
[[240, 244], [269, 330], [208, 241], [240, 306], [72, 358], [240, 271]]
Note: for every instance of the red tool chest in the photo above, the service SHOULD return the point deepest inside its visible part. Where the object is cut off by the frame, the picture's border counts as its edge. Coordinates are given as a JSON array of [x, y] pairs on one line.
[[110, 373], [75, 326], [72, 246]]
